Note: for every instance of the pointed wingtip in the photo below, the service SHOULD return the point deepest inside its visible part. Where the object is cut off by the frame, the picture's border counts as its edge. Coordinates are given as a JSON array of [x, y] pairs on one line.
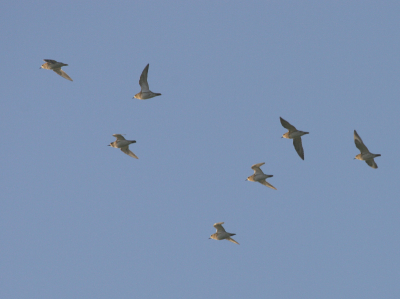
[[233, 241]]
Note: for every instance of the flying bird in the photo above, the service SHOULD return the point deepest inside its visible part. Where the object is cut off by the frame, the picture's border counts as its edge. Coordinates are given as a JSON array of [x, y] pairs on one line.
[[221, 234], [123, 144], [56, 67], [295, 135], [259, 176], [145, 92], [365, 154]]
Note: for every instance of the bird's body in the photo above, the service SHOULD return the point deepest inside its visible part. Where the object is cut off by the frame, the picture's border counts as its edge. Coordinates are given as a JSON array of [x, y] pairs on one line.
[[145, 92], [146, 95], [221, 234], [123, 144], [259, 176], [365, 154], [294, 134], [56, 67]]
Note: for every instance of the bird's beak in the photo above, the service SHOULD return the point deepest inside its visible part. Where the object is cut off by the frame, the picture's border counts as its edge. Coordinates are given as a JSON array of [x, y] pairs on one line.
[[108, 145]]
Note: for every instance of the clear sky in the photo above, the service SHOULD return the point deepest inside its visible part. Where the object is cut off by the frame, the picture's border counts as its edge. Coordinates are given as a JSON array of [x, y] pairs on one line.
[[80, 219]]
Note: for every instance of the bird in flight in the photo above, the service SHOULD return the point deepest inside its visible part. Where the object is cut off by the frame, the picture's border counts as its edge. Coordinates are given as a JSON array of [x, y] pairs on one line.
[[259, 176], [145, 92], [295, 135], [56, 67], [123, 144], [365, 154], [221, 234]]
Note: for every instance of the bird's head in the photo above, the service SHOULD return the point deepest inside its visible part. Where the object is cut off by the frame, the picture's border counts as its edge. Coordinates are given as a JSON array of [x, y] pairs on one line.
[[286, 135]]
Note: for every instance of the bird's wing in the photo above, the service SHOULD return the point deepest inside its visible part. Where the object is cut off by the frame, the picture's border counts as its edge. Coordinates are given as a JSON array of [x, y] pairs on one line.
[[62, 73], [51, 61], [126, 150], [219, 227], [232, 240], [256, 168], [360, 144], [371, 162], [119, 136], [265, 183], [298, 146], [288, 126], [143, 80]]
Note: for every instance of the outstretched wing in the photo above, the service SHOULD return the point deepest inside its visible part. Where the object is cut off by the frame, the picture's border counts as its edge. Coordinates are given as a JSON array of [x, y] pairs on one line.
[[371, 162], [143, 80], [119, 136], [288, 126], [219, 227], [360, 144], [298, 146], [126, 150], [265, 183], [233, 241], [51, 61], [62, 73], [256, 168]]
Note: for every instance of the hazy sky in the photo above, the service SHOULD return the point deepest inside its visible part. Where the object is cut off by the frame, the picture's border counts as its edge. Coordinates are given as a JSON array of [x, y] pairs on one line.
[[80, 219]]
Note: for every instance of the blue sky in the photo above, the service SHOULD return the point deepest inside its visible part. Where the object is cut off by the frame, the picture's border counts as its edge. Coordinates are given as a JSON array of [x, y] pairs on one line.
[[80, 219]]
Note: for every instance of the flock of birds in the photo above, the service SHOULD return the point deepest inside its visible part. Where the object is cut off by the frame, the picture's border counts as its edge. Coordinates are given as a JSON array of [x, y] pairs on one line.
[[258, 176]]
